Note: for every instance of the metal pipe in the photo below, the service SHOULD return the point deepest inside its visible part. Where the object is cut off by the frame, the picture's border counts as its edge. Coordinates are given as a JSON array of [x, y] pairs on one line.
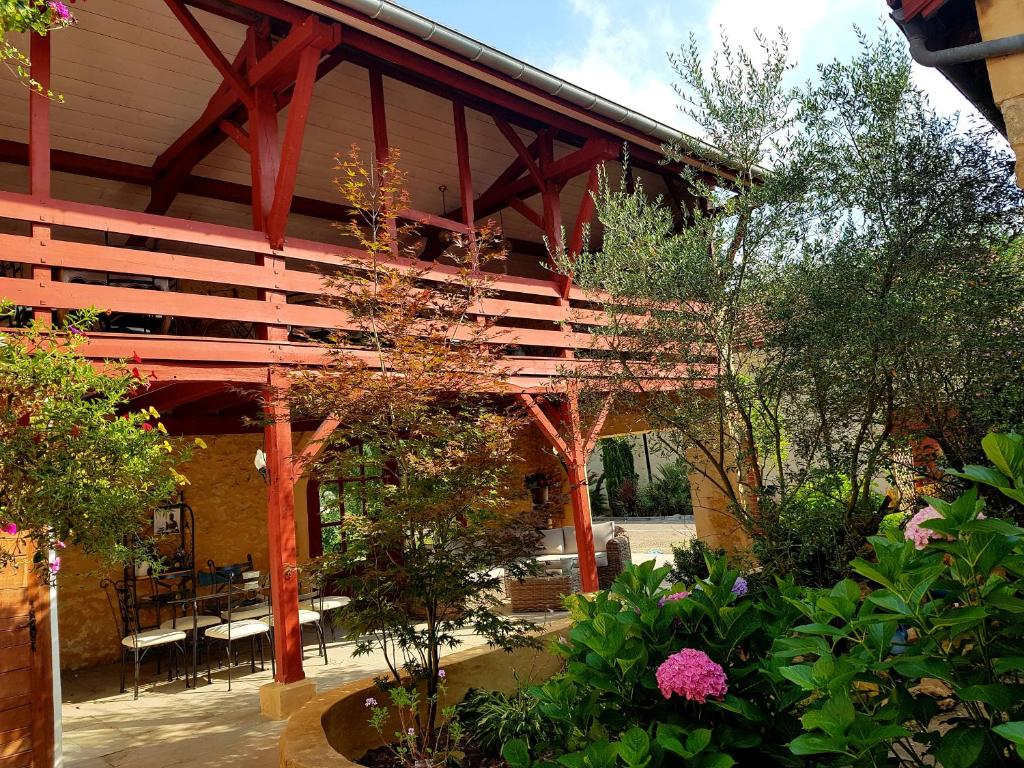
[[987, 49]]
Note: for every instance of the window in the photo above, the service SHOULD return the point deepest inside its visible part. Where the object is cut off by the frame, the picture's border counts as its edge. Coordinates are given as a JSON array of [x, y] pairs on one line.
[[328, 502]]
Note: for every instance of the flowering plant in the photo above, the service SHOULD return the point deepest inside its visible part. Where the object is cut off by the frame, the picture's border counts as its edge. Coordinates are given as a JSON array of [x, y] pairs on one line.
[[671, 675], [38, 16], [410, 743], [77, 465]]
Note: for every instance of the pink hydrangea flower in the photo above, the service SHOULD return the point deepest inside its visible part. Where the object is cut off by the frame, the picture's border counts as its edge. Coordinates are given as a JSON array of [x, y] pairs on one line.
[[921, 536], [672, 598], [9, 528], [693, 675]]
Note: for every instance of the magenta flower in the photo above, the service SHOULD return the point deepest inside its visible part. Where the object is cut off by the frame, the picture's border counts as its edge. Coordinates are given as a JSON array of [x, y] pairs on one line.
[[441, 673], [693, 675], [672, 598], [921, 536], [371, 702], [60, 11], [9, 528], [55, 565], [59, 544]]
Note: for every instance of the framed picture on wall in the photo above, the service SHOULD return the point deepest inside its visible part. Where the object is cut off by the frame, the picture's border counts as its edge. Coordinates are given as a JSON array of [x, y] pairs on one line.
[[166, 521]]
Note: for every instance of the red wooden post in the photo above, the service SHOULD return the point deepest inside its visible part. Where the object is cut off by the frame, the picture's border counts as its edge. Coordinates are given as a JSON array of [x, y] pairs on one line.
[[281, 530], [39, 150], [579, 492]]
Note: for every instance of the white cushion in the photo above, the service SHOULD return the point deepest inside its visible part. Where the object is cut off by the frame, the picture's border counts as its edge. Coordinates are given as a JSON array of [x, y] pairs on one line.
[[603, 532], [552, 542], [185, 624], [567, 561], [549, 558], [308, 617], [236, 630], [329, 602], [247, 612], [153, 637]]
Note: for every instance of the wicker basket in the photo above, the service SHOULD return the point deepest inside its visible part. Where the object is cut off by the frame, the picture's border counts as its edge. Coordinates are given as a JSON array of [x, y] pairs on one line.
[[541, 593]]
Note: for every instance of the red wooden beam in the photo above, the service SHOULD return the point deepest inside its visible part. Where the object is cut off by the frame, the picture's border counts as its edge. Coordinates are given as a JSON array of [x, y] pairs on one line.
[[283, 553], [315, 446], [462, 155], [166, 399], [545, 425], [298, 114], [527, 212], [236, 132], [521, 149], [378, 115], [211, 51], [586, 213], [594, 433]]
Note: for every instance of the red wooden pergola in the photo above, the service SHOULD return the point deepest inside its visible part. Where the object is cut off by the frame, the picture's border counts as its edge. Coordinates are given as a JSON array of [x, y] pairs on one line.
[[287, 48]]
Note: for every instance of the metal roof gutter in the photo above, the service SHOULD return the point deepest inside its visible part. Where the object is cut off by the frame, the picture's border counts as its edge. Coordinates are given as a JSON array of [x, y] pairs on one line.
[[472, 50]]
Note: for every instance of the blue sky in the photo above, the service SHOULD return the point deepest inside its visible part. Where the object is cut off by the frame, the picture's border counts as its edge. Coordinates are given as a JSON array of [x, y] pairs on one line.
[[617, 48]]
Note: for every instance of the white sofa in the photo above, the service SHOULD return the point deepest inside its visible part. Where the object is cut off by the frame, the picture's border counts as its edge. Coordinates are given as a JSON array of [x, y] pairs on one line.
[[558, 549]]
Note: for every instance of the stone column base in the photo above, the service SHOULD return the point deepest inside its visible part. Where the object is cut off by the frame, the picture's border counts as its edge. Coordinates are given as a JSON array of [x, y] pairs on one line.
[[278, 701]]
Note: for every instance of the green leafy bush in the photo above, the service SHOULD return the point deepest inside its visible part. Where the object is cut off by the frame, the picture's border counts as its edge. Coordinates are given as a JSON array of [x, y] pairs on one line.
[[853, 675], [668, 493], [491, 718], [607, 709], [690, 561]]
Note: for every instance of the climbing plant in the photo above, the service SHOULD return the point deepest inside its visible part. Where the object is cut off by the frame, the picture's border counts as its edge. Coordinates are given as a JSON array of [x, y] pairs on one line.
[[39, 16]]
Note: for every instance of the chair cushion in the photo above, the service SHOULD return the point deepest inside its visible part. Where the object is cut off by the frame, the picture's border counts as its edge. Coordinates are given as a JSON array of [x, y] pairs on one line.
[[549, 558], [552, 542], [603, 533], [153, 637], [330, 602], [184, 623], [567, 561], [247, 612], [236, 630], [307, 616]]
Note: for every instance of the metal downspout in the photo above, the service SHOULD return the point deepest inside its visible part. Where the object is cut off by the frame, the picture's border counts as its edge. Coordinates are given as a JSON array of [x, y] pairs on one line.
[[987, 49]]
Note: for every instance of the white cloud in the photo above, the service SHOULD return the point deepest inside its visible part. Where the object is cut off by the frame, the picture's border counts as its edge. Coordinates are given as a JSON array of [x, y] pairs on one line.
[[624, 56]]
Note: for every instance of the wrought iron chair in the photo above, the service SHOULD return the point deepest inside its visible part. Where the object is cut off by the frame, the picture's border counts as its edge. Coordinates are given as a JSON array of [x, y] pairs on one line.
[[137, 641], [235, 628]]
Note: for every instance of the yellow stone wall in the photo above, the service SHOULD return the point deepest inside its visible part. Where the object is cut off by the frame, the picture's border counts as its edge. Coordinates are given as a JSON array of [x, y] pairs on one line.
[[228, 497], [229, 500], [996, 19]]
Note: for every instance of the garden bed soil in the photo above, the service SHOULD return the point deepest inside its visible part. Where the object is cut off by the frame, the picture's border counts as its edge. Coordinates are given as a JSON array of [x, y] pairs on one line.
[[384, 757]]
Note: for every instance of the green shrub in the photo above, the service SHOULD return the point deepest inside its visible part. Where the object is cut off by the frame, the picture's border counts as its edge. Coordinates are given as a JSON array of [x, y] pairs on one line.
[[668, 493], [491, 718], [847, 676], [690, 560], [607, 705]]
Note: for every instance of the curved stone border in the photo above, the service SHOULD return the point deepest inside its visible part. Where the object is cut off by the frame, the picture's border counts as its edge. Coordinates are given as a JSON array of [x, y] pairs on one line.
[[332, 730]]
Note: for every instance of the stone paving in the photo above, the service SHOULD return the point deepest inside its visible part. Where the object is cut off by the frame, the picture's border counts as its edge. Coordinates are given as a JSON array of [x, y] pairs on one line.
[[211, 727]]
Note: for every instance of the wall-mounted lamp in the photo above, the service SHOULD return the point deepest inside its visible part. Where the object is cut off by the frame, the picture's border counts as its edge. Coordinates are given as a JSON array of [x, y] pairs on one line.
[[260, 462]]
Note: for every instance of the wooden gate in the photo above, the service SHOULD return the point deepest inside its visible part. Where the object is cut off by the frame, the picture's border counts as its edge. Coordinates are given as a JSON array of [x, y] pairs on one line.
[[26, 684]]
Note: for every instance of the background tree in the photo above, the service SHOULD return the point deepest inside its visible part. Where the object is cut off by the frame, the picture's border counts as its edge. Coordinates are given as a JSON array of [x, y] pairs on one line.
[[848, 279], [413, 386], [77, 466]]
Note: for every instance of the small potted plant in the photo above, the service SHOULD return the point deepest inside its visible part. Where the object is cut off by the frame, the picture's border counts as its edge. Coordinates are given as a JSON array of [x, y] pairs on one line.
[[538, 484]]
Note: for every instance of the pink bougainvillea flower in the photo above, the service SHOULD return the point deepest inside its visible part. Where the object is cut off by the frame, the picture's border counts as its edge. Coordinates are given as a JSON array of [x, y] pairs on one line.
[[60, 10], [9, 528], [693, 675], [55, 565], [921, 536], [59, 545], [672, 598]]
